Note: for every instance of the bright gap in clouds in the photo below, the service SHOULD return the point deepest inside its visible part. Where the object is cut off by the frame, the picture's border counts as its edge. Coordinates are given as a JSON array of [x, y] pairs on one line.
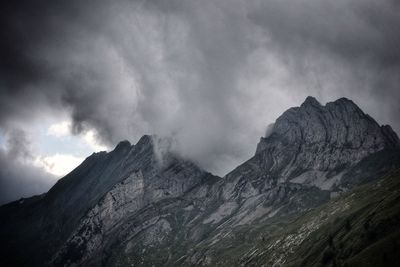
[[65, 160], [30, 163], [58, 164], [62, 129]]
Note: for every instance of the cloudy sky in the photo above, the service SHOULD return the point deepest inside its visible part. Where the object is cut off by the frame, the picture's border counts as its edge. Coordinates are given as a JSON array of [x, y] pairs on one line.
[[80, 76]]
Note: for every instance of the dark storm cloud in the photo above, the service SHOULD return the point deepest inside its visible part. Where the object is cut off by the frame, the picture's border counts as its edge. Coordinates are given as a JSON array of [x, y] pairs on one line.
[[352, 30], [361, 39], [212, 74], [18, 177], [26, 76]]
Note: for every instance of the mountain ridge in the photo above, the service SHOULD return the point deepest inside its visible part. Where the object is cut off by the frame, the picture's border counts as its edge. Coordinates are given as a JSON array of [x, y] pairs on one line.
[[143, 204]]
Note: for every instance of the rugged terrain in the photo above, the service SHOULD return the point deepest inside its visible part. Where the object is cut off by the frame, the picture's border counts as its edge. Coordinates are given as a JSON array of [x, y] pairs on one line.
[[323, 188]]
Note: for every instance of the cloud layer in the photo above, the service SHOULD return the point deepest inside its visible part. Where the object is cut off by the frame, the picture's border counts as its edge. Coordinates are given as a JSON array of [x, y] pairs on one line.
[[18, 175], [211, 74]]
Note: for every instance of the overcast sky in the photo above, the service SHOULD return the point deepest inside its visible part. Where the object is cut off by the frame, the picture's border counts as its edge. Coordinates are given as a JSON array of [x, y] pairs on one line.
[[80, 76]]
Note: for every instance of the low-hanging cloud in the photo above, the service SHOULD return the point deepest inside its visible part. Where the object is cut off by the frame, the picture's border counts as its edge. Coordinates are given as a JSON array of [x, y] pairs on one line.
[[18, 176], [211, 74]]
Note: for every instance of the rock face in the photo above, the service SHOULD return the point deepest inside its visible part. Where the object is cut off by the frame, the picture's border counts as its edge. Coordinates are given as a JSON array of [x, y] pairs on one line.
[[144, 205], [312, 141], [94, 197], [123, 199]]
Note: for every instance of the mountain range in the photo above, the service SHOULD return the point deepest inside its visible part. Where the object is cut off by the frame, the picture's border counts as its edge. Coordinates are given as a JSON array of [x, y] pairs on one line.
[[322, 189]]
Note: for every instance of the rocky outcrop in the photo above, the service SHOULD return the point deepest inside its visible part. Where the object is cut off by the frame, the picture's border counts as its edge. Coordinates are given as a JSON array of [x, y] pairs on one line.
[[122, 200], [314, 144]]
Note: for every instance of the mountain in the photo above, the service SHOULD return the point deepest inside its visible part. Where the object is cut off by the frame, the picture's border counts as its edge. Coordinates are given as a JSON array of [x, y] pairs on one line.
[[322, 189]]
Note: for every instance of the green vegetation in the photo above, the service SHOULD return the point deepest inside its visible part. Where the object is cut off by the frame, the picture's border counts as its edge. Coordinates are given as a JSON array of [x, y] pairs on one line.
[[358, 228]]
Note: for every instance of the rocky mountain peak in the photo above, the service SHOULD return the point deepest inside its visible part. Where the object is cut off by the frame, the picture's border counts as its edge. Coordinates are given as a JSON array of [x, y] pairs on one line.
[[311, 101], [157, 144], [340, 123], [145, 140], [323, 138], [123, 145]]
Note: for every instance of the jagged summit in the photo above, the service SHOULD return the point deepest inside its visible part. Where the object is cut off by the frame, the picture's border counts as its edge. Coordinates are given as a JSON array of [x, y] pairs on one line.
[[145, 140], [346, 104], [311, 101], [123, 145], [341, 124], [145, 143]]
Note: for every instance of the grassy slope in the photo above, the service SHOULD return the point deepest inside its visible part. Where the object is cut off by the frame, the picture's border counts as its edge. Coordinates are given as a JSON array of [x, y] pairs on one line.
[[359, 228]]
